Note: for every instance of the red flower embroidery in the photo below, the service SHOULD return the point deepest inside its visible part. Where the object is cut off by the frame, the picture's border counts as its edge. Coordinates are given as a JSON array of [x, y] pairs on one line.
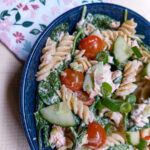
[[25, 8], [19, 37], [35, 6], [19, 5]]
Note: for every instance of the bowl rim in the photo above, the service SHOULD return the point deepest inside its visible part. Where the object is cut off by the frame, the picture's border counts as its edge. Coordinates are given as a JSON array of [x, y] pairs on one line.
[[34, 47]]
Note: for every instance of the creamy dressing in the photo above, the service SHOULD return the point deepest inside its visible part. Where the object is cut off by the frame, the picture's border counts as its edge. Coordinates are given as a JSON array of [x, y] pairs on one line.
[[105, 77], [138, 117], [114, 24]]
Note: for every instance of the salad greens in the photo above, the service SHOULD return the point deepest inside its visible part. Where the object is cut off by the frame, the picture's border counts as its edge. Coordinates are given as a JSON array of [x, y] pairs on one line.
[[99, 103]]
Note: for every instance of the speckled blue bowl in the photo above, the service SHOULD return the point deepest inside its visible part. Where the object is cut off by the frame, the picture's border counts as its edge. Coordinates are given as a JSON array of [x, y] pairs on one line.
[[29, 84]]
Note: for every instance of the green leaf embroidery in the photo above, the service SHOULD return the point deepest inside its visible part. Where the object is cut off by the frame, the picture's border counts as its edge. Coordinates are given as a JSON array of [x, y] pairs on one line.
[[3, 14], [27, 23], [43, 1], [35, 31], [14, 9], [42, 26], [17, 17]]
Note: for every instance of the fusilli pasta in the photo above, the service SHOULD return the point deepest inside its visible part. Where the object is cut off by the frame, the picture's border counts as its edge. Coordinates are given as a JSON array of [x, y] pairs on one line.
[[76, 105], [112, 140], [146, 56], [130, 71], [82, 60], [127, 30], [46, 60], [142, 92]]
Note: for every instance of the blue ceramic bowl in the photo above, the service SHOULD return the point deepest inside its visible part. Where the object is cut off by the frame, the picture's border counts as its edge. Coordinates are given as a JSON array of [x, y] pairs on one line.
[[29, 84]]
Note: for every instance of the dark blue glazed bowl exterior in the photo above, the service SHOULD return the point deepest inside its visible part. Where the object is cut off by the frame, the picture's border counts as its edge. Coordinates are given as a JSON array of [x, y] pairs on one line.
[[29, 84]]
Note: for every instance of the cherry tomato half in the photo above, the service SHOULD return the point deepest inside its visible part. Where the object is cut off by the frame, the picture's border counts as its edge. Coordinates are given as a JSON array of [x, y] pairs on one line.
[[85, 98], [92, 45], [96, 135], [72, 79]]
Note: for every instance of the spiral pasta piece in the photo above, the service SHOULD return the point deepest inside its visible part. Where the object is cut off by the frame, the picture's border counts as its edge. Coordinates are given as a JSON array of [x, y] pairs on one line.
[[112, 140], [126, 31], [63, 50], [46, 60], [76, 105], [82, 60], [146, 56], [130, 71], [128, 28], [142, 92]]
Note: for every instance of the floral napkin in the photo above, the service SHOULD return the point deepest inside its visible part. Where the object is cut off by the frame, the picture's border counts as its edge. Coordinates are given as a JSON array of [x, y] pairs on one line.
[[22, 21]]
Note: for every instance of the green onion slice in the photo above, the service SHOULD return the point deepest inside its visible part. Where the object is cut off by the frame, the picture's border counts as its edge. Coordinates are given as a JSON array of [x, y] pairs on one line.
[[102, 56], [99, 106], [125, 15], [109, 128], [137, 52], [111, 104], [106, 89], [125, 108], [131, 99]]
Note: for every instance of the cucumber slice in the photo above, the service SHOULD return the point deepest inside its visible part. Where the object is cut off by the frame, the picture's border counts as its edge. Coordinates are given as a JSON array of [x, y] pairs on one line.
[[83, 148], [121, 50], [146, 111], [133, 138], [58, 114], [146, 70], [88, 80]]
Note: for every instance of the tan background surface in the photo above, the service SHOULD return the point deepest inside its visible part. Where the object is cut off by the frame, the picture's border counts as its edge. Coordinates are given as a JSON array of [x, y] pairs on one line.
[[12, 136]]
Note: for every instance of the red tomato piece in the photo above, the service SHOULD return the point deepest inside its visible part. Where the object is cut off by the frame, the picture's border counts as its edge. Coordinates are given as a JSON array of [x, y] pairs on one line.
[[92, 45], [72, 79], [85, 98], [96, 135]]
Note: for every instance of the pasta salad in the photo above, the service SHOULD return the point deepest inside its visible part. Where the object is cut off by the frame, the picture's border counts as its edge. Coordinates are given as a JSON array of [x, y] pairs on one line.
[[93, 87]]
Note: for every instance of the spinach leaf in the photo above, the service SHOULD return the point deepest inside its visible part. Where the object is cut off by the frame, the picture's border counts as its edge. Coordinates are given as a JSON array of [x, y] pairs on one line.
[[47, 93], [63, 66], [99, 21], [40, 124], [78, 136], [121, 147], [137, 128], [54, 80], [46, 135], [102, 120], [63, 27]]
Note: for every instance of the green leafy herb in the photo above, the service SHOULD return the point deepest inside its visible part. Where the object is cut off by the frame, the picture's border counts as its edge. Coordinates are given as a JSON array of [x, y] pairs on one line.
[[137, 52], [78, 136], [142, 145], [47, 93], [99, 21], [106, 89], [111, 104], [54, 80], [131, 99], [63, 27], [109, 128], [46, 135], [125, 108], [118, 80], [121, 147], [102, 56], [125, 15], [99, 106], [102, 120]]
